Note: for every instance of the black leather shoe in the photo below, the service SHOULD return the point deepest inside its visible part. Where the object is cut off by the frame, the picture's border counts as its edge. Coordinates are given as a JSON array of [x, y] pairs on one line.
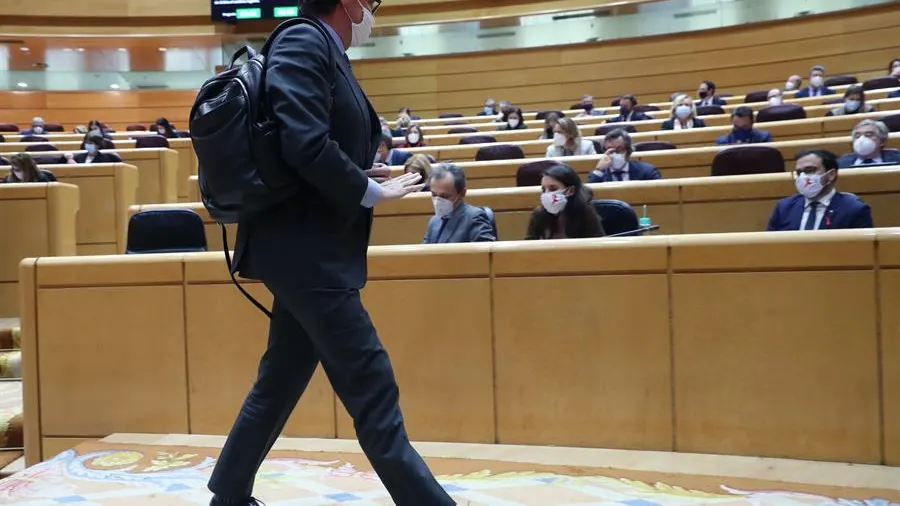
[[250, 502]]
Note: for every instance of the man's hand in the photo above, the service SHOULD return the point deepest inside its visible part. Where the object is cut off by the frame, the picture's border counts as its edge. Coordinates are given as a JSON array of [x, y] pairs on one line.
[[605, 160], [399, 187], [379, 172]]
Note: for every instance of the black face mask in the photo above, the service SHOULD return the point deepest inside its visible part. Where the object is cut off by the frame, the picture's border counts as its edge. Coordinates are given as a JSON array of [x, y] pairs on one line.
[[703, 94]]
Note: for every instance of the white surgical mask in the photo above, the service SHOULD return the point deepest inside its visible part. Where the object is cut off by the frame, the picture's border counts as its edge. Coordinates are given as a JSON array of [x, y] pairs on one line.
[[683, 111], [775, 101], [362, 31], [618, 161], [91, 149], [554, 202], [851, 105], [488, 109], [19, 175], [896, 71], [442, 206], [413, 138], [378, 158], [816, 81], [559, 140], [809, 185], [161, 131], [864, 146], [513, 122], [38, 130], [790, 85]]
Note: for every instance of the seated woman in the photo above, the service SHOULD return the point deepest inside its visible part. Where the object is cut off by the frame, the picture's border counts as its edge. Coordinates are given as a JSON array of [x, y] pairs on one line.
[[24, 170], [164, 128], [854, 102], [512, 120], [414, 137], [96, 125], [565, 211], [93, 143], [550, 122], [421, 165], [683, 115], [567, 141]]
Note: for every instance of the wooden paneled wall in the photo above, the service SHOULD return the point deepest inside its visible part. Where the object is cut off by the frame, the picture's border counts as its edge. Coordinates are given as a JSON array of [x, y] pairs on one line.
[[739, 60], [686, 343]]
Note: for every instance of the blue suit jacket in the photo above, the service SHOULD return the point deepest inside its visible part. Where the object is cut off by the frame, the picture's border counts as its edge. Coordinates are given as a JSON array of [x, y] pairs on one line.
[[888, 156], [465, 224], [756, 136], [637, 171], [319, 238], [845, 211], [805, 92], [894, 94]]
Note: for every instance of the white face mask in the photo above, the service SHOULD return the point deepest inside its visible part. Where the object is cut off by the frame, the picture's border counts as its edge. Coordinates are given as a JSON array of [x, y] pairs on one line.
[[442, 206], [864, 146], [816, 81], [809, 185], [513, 122], [91, 149], [488, 109], [851, 105], [38, 130], [896, 71], [559, 140], [554, 202], [378, 158], [775, 100], [618, 161], [161, 131], [683, 111], [413, 138], [19, 175], [362, 31], [790, 85]]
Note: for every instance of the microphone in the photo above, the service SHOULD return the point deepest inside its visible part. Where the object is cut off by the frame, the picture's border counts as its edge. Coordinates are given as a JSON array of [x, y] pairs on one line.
[[637, 231]]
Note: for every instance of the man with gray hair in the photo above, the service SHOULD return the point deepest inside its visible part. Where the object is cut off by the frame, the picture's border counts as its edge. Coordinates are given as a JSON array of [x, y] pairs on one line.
[[869, 138], [37, 127], [816, 86], [454, 220]]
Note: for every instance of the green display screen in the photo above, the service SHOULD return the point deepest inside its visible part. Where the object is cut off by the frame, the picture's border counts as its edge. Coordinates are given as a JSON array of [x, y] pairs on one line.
[[249, 13], [286, 12]]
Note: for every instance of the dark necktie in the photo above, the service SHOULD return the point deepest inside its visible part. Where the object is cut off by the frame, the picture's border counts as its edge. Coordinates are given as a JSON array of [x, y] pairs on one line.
[[444, 221], [811, 219], [868, 161], [618, 175]]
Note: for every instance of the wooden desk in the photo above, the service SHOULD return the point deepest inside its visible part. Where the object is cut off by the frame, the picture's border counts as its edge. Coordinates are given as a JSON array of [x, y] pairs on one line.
[[185, 162], [700, 338], [106, 191], [39, 220]]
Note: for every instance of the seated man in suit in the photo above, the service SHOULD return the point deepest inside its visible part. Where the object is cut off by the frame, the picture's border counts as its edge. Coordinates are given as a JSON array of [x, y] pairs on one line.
[[587, 103], [819, 205], [793, 83], [707, 94], [869, 138], [816, 86], [616, 164], [627, 112], [489, 109], [454, 220], [775, 97], [386, 153], [37, 128], [743, 132]]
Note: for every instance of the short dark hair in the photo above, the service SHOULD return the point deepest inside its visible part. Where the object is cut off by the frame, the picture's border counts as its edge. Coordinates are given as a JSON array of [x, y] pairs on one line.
[[620, 134], [742, 112], [856, 89], [629, 97], [387, 140], [443, 170], [829, 159], [319, 7], [709, 84]]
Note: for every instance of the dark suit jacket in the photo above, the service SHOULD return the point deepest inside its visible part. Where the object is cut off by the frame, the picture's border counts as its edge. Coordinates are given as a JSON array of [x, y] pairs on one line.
[[716, 101], [894, 94], [635, 116], [465, 224], [805, 92], [319, 238], [637, 171], [669, 124], [44, 176], [100, 158], [887, 155], [845, 211], [756, 136]]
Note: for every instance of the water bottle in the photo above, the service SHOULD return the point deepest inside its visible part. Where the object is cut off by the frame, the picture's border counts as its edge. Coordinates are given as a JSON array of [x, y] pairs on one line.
[[644, 220]]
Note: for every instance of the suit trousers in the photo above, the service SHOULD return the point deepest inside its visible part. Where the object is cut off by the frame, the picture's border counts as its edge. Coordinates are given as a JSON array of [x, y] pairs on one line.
[[331, 326]]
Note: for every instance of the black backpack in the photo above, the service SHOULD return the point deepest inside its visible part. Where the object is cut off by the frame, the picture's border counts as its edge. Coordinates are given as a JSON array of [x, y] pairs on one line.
[[238, 145]]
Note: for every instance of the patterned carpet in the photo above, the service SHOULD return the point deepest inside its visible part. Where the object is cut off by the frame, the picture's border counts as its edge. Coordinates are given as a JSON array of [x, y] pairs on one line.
[[110, 474]]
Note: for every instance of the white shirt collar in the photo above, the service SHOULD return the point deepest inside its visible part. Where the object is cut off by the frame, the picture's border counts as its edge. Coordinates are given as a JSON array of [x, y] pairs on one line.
[[875, 159], [825, 200]]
